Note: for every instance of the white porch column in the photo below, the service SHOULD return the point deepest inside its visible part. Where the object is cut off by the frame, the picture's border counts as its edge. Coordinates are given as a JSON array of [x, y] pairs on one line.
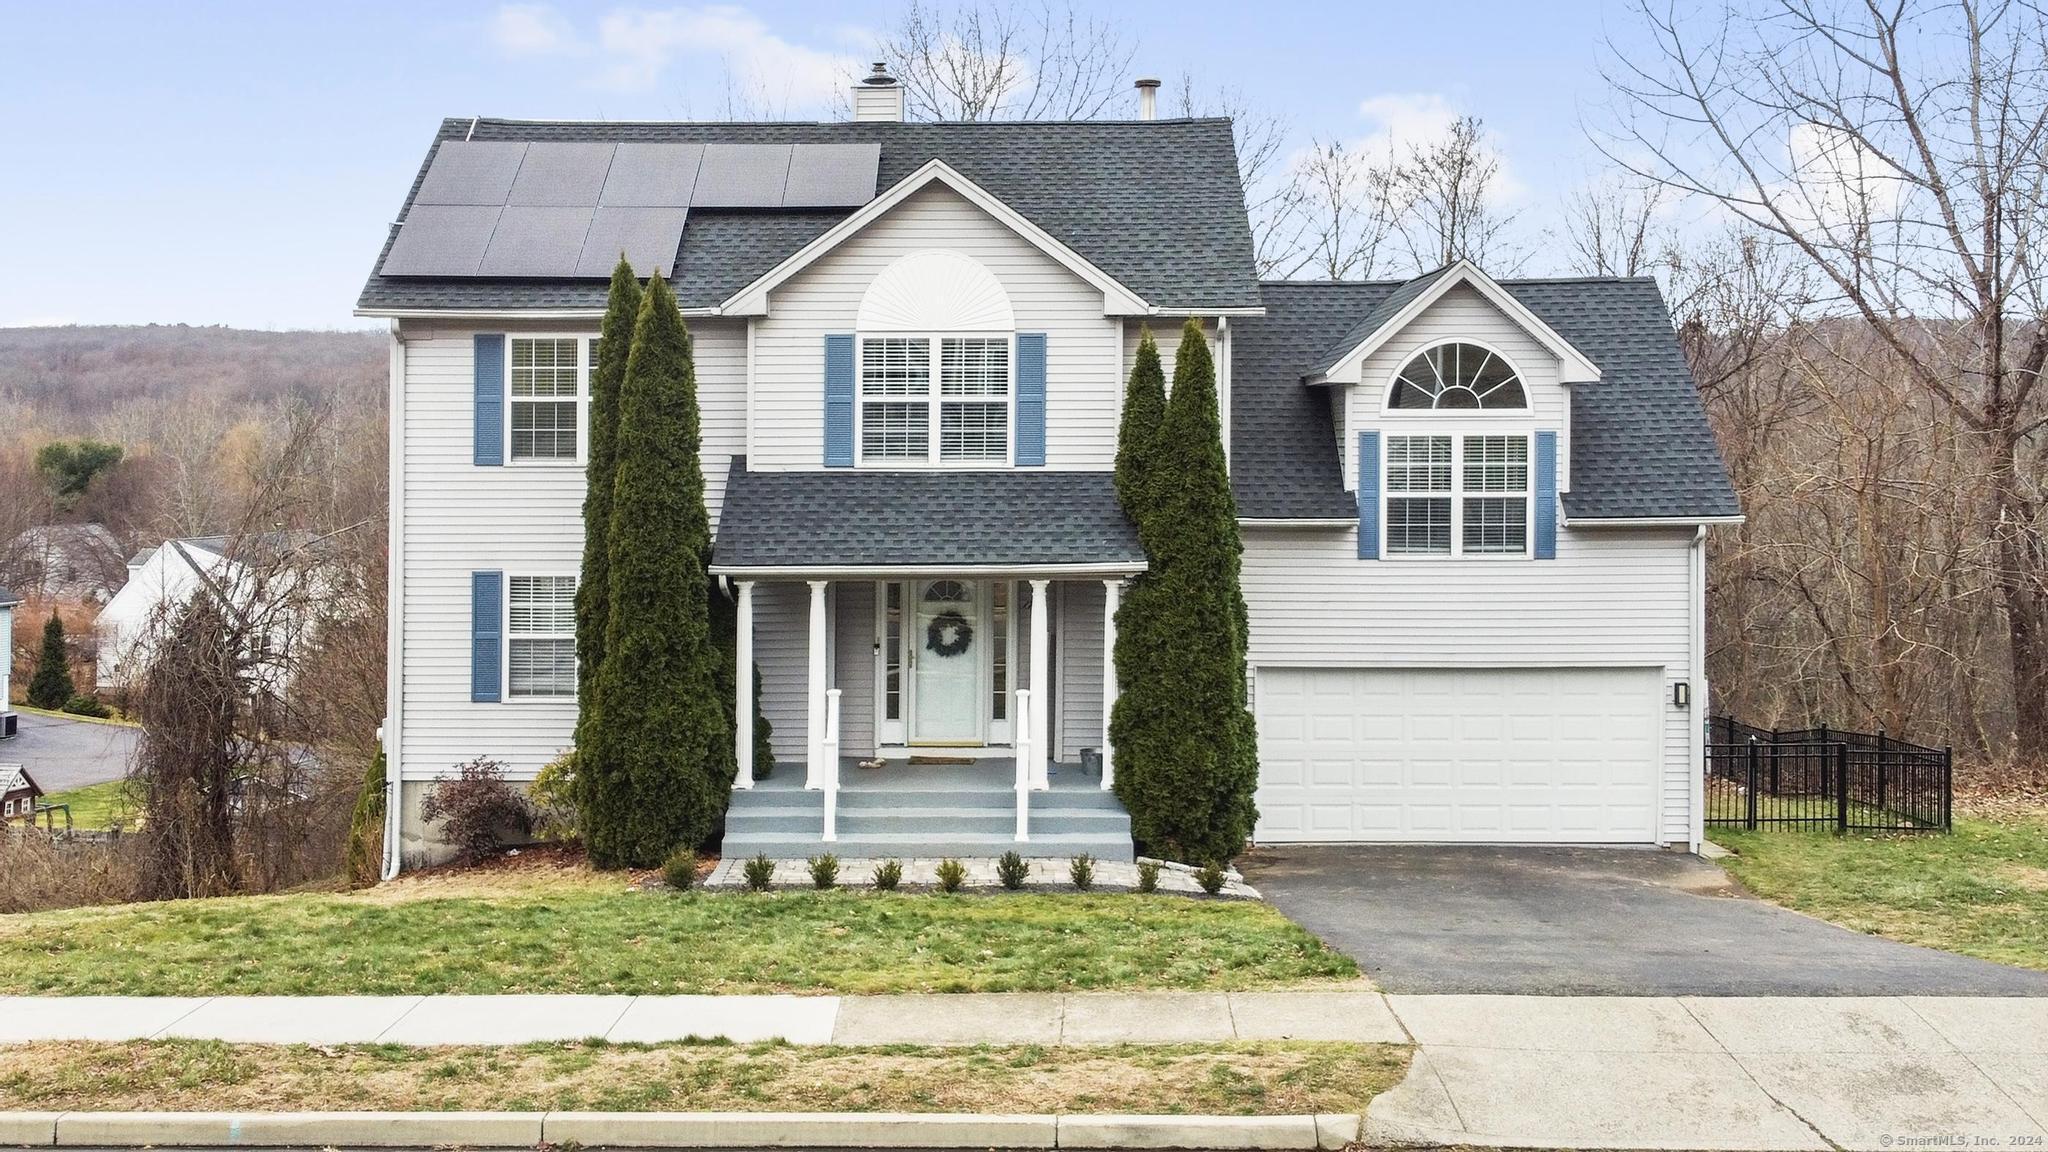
[[743, 690], [814, 707], [1041, 700], [1112, 593]]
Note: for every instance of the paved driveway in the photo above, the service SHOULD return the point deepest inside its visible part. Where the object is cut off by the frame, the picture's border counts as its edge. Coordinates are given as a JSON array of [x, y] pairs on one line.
[[1584, 921], [67, 754]]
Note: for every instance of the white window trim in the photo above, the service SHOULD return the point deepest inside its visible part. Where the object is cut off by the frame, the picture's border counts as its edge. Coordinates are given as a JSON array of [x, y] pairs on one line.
[[585, 344], [934, 401], [1457, 494], [506, 695], [1390, 412]]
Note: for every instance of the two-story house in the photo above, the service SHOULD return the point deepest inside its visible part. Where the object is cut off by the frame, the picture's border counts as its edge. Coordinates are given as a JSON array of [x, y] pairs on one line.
[[1473, 510]]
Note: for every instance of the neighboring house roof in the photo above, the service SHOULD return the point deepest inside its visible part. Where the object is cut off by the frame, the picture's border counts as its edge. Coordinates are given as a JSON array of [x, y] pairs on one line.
[[1641, 447], [14, 778], [854, 518], [8, 600], [1155, 204]]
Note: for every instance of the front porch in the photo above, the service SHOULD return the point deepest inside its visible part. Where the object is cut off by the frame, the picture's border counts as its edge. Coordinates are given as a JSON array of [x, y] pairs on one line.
[[904, 810]]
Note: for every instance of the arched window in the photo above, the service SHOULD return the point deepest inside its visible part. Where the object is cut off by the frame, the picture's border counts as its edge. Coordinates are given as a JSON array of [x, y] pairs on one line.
[[1458, 376]]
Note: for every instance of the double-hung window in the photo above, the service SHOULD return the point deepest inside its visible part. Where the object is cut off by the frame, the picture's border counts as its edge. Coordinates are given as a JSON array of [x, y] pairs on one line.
[[1457, 495], [540, 633], [548, 385], [903, 419]]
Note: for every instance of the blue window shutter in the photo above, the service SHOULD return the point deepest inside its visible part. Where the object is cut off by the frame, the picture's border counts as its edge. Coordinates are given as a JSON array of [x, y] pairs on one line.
[[839, 401], [490, 400], [1546, 496], [486, 635], [1368, 495], [1030, 399]]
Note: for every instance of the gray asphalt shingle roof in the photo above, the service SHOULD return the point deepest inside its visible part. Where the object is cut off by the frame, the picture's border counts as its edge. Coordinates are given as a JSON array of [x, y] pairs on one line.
[[6, 599], [1641, 447], [1155, 204], [857, 518]]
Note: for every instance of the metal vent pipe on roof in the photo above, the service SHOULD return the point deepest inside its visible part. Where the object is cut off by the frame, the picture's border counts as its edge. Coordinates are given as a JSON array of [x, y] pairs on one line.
[[1148, 99]]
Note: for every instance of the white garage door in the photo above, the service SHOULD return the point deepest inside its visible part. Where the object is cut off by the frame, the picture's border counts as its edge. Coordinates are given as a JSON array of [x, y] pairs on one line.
[[1477, 755]]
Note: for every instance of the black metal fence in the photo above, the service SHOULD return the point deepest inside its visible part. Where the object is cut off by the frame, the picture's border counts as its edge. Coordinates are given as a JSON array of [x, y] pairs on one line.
[[1824, 778]]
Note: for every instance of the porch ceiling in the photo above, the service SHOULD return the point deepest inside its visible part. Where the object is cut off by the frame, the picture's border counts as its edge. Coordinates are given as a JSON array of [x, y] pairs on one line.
[[830, 520]]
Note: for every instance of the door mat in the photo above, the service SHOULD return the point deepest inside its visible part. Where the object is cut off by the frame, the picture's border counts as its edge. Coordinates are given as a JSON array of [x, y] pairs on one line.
[[937, 760]]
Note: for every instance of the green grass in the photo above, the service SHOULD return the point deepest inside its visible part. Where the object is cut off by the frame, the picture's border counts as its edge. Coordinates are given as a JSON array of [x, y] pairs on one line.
[[1981, 891], [571, 931], [97, 806], [198, 1075], [117, 719]]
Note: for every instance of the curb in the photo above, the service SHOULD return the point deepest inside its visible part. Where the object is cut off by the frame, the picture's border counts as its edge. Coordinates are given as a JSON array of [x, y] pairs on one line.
[[675, 1130]]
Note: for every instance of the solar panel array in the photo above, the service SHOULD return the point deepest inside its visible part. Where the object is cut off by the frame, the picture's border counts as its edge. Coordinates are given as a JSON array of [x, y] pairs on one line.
[[567, 210]]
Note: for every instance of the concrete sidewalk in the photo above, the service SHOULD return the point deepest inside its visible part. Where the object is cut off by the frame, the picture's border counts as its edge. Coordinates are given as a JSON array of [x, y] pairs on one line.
[[1350, 1012], [1735, 1073]]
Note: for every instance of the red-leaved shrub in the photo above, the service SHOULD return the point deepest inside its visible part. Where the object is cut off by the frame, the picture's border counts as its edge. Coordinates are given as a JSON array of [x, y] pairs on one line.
[[478, 808]]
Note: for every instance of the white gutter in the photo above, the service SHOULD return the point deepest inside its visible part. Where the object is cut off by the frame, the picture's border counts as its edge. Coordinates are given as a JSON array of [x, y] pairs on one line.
[[394, 609], [875, 571], [1654, 521], [508, 313], [1348, 522]]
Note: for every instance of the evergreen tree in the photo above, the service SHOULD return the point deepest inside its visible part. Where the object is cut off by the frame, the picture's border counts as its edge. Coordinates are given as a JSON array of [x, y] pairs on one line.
[[659, 760], [50, 686], [1137, 437], [1186, 735], [593, 586], [366, 827]]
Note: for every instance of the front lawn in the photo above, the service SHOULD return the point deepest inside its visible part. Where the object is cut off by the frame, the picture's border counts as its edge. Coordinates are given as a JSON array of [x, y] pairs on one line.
[[204, 1075], [1981, 891], [554, 928]]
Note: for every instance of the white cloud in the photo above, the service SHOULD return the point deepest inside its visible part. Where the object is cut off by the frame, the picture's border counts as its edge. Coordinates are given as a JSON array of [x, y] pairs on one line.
[[1402, 121], [1836, 182], [533, 30], [635, 49]]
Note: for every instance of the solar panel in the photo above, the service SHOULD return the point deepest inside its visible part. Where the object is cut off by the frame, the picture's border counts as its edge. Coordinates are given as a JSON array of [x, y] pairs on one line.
[[832, 175], [652, 176], [471, 172], [562, 175], [442, 240], [648, 237], [532, 241], [742, 176]]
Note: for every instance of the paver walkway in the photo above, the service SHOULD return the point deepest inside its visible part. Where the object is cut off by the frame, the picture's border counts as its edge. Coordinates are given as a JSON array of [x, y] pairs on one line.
[[1750, 1073]]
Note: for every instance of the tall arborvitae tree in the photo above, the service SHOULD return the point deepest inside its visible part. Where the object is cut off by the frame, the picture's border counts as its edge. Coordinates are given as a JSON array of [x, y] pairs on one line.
[[1186, 734], [1137, 437], [50, 685], [1138, 620], [593, 586], [658, 764]]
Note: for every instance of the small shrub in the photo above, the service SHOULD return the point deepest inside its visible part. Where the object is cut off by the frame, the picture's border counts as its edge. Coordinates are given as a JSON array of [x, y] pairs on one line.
[[760, 872], [952, 874], [553, 794], [888, 874], [477, 807], [824, 870], [1012, 870], [1211, 877], [83, 705], [680, 869], [1082, 871], [1148, 875]]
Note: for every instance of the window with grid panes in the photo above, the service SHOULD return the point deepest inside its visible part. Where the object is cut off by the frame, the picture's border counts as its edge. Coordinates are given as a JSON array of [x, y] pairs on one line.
[[1419, 495], [965, 421], [1457, 495], [546, 398], [1496, 495]]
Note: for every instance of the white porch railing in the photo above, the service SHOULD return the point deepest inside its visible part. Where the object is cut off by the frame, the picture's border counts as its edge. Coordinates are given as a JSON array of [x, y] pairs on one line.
[[830, 773], [1024, 761]]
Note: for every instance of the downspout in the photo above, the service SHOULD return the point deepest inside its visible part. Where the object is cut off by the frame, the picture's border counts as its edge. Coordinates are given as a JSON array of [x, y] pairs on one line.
[[394, 611], [1701, 701]]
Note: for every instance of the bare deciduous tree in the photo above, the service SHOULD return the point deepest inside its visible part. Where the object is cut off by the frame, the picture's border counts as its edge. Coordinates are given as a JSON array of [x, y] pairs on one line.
[[1445, 190], [1901, 151], [997, 60], [1611, 228]]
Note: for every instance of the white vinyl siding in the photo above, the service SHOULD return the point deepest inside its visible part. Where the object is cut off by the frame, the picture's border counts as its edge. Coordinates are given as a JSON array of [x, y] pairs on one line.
[[1612, 599], [1083, 385], [459, 518], [1080, 667]]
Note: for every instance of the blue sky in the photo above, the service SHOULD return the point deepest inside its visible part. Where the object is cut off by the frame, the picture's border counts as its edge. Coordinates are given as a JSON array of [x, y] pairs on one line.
[[238, 163]]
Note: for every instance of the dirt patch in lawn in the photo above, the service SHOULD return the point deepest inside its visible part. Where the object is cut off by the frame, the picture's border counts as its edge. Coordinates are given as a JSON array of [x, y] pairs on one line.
[[191, 1075]]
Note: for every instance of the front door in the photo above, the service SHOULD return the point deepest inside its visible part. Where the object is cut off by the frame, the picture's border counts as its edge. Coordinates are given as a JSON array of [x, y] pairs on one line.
[[946, 660]]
